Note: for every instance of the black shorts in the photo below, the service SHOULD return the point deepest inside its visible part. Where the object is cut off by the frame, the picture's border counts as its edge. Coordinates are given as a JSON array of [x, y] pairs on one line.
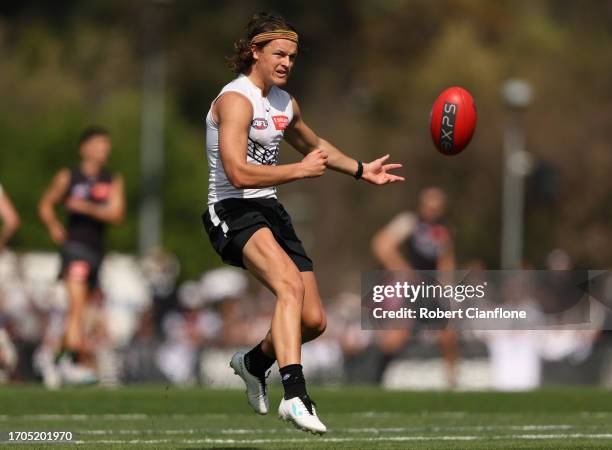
[[230, 223], [81, 262]]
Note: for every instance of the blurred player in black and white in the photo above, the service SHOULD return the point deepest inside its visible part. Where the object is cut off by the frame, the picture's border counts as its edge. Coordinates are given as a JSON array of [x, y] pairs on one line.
[[418, 240], [93, 197], [247, 225], [9, 222]]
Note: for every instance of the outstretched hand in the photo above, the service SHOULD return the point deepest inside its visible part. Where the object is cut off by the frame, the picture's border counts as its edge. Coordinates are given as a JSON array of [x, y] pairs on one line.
[[377, 172]]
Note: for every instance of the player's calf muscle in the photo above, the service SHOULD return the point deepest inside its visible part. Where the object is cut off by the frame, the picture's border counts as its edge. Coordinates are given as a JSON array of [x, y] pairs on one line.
[[313, 323]]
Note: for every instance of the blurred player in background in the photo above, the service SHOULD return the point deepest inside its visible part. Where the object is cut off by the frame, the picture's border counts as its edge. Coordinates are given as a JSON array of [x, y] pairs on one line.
[[418, 241], [93, 197], [9, 220], [247, 225]]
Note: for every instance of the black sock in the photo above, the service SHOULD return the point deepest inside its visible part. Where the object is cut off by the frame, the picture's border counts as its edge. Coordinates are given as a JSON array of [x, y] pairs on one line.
[[257, 362], [293, 381], [72, 355]]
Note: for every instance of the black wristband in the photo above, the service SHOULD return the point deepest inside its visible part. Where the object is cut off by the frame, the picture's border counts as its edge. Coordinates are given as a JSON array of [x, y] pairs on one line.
[[359, 172]]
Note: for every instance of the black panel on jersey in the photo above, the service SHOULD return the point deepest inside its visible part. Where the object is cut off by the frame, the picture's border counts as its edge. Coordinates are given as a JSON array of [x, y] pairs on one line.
[[425, 244], [261, 154], [81, 227], [422, 250]]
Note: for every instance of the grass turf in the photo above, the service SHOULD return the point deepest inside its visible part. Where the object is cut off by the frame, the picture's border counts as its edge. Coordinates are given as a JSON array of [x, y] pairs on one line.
[[364, 417]]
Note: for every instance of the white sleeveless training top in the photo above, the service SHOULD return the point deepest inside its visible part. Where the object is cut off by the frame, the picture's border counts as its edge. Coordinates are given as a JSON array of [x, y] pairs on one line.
[[271, 115]]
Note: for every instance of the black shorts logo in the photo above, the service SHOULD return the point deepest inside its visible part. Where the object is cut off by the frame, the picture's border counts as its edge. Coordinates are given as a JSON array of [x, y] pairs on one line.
[[447, 127]]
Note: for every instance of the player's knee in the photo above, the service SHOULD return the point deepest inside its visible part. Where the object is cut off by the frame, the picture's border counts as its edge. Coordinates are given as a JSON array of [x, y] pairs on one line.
[[77, 272], [291, 289]]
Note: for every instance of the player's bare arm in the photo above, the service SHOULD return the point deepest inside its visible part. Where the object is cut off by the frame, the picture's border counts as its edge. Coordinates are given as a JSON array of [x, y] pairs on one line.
[[233, 113], [10, 219], [46, 207], [112, 212], [306, 141], [446, 260], [386, 248]]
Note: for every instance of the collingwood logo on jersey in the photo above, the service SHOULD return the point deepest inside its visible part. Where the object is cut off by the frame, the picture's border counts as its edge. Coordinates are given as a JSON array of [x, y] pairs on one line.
[[261, 154]]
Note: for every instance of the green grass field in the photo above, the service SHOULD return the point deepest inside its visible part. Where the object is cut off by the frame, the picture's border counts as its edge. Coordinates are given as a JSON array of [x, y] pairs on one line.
[[167, 417]]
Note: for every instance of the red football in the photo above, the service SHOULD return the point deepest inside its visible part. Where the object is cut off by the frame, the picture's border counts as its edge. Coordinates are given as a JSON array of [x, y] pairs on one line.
[[453, 120]]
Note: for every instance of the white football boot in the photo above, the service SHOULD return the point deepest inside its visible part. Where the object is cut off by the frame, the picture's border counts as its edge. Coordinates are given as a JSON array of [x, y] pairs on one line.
[[256, 392], [77, 374], [295, 411]]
